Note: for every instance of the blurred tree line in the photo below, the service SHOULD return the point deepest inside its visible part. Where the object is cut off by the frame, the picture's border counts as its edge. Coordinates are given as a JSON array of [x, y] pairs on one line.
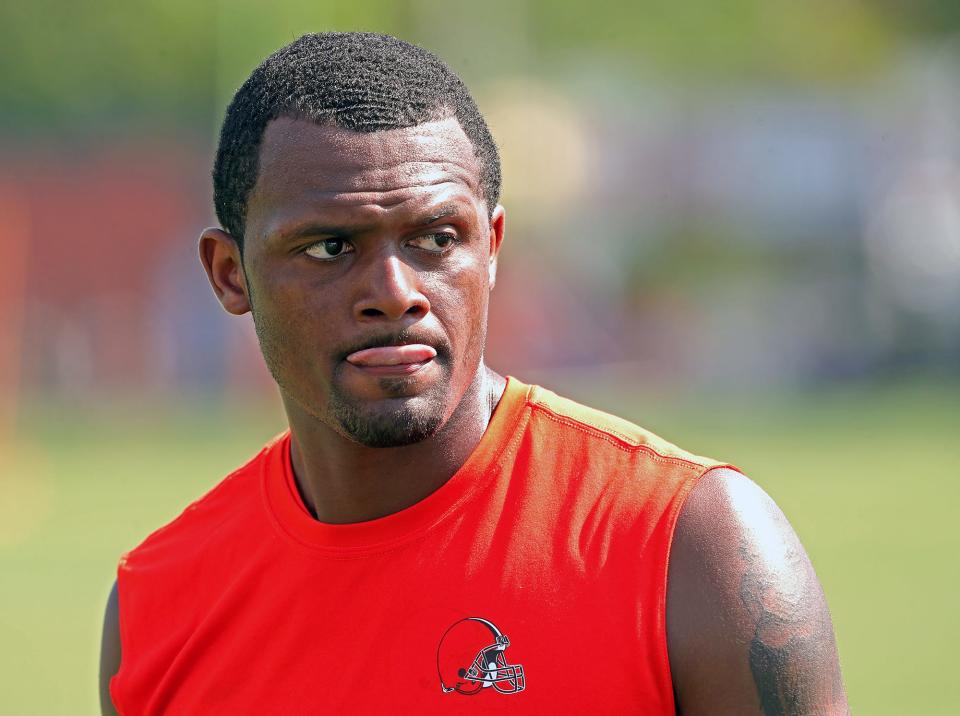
[[91, 65]]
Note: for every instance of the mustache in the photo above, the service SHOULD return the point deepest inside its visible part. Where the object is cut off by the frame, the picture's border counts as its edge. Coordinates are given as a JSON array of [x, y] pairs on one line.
[[396, 338]]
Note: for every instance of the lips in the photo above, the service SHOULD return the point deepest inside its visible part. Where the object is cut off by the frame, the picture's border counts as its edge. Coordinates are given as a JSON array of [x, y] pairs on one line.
[[395, 357]]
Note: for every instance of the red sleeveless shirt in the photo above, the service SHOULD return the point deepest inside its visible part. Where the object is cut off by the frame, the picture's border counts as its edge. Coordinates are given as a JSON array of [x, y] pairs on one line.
[[533, 581]]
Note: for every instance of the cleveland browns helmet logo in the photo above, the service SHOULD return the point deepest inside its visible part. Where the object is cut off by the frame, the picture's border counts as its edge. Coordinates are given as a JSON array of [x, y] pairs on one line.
[[471, 659]]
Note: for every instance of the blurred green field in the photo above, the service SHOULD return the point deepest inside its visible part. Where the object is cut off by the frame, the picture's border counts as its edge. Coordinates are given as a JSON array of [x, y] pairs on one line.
[[869, 478]]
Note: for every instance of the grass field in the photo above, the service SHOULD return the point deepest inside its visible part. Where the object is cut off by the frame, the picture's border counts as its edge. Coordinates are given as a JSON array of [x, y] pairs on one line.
[[869, 478]]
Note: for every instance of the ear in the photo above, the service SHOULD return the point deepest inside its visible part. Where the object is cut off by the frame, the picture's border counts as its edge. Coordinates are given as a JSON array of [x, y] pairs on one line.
[[497, 219], [220, 256]]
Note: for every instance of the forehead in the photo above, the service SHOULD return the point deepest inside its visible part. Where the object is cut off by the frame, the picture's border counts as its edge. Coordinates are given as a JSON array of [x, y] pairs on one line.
[[305, 166]]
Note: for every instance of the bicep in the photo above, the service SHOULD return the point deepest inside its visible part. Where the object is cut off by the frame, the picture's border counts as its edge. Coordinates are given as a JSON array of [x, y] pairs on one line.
[[109, 651], [747, 623]]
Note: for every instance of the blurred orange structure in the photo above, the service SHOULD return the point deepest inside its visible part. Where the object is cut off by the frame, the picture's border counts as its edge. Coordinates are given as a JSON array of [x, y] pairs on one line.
[[81, 241], [14, 235]]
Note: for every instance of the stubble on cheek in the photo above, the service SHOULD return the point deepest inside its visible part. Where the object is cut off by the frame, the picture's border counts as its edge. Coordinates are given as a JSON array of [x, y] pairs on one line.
[[281, 351]]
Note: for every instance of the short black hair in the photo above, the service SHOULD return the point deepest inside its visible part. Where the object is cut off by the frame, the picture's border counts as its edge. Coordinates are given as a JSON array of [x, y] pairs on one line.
[[359, 81]]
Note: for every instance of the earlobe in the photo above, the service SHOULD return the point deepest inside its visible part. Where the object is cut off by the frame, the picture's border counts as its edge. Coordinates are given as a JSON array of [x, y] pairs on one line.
[[497, 219], [220, 256]]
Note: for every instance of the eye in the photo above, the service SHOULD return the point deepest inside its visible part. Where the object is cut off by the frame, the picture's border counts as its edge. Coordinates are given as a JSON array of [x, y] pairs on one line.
[[434, 243], [328, 249]]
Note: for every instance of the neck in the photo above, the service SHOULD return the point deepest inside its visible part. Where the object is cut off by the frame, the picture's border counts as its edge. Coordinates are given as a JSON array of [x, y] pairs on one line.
[[342, 481]]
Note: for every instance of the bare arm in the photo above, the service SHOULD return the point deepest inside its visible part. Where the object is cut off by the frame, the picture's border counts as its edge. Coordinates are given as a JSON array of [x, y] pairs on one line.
[[748, 628], [109, 651]]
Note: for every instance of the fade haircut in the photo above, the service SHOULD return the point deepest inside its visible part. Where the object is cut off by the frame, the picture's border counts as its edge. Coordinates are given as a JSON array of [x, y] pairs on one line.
[[358, 81]]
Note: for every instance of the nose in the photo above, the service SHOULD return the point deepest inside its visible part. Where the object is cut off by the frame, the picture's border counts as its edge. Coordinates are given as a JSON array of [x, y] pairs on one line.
[[390, 292]]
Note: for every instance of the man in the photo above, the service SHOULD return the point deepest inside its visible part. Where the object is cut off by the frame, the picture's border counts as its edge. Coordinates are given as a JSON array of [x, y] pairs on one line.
[[428, 536]]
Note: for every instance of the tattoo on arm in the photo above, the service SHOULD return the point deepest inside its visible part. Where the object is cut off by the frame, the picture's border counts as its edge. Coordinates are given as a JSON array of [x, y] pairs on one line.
[[770, 667], [791, 644]]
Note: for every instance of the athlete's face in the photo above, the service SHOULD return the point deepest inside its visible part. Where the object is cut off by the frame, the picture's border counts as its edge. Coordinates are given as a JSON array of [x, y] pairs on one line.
[[367, 264]]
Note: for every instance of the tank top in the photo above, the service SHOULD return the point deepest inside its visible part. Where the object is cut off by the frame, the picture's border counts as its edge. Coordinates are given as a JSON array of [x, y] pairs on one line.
[[532, 582]]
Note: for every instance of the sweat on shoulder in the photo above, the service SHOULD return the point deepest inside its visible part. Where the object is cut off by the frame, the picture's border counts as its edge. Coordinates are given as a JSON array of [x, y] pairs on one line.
[[428, 536]]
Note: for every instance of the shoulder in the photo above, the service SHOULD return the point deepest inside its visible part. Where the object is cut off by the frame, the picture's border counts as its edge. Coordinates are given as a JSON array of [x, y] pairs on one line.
[[153, 605], [621, 481], [747, 622], [231, 500], [597, 427]]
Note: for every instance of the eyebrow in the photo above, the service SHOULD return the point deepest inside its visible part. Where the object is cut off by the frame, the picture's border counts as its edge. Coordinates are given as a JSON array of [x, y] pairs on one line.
[[305, 230], [343, 232], [442, 213]]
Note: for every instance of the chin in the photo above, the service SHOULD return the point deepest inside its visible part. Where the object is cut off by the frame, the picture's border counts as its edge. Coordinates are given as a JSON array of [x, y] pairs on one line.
[[394, 428], [400, 422]]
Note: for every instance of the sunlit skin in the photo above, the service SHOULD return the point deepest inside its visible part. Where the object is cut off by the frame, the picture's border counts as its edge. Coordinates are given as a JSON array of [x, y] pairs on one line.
[[748, 627], [356, 240]]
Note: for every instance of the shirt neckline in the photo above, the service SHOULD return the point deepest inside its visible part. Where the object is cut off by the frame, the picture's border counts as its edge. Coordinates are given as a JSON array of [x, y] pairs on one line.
[[295, 522]]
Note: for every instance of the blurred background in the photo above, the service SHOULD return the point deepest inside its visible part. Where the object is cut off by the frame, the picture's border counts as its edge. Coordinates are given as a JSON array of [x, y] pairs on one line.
[[736, 223]]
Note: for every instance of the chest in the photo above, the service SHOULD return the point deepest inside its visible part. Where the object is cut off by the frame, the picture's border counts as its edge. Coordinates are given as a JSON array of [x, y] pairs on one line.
[[429, 629]]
